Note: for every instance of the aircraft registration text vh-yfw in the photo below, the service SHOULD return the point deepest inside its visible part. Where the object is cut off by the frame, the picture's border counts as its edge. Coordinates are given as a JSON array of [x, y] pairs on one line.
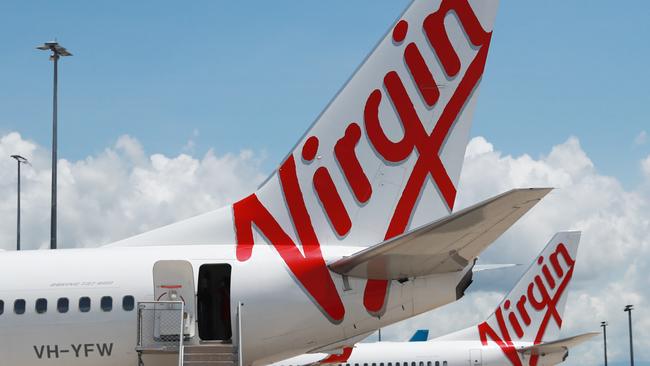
[[354, 231]]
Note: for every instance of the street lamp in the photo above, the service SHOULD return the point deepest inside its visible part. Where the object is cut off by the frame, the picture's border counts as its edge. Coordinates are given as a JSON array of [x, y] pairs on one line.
[[19, 160], [57, 51], [604, 326], [628, 309]]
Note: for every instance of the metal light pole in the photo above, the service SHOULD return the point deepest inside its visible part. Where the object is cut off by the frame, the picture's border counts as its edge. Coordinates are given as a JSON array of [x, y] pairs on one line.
[[628, 309], [604, 326], [57, 52], [19, 160]]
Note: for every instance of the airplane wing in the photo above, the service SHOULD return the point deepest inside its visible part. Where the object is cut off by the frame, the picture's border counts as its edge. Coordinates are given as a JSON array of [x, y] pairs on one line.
[[446, 245], [557, 346]]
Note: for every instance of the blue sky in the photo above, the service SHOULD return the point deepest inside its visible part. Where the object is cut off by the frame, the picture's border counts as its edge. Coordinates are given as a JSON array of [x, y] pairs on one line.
[[254, 75]]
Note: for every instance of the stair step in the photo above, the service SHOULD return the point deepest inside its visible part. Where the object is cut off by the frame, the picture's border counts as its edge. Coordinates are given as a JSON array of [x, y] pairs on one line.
[[209, 357], [210, 354], [209, 363], [210, 348]]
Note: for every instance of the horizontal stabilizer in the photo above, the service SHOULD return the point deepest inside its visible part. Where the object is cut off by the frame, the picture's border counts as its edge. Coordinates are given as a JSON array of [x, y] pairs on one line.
[[560, 345], [489, 267], [446, 245]]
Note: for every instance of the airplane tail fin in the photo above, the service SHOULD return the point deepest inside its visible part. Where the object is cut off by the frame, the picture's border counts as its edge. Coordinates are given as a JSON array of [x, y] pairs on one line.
[[386, 154], [533, 310], [421, 335]]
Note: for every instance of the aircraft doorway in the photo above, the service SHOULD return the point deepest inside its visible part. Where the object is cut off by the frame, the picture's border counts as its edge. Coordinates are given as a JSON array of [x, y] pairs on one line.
[[213, 302]]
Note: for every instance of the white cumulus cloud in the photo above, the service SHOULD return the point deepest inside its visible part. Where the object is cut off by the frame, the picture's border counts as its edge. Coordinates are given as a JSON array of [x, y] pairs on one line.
[[613, 261], [118, 193]]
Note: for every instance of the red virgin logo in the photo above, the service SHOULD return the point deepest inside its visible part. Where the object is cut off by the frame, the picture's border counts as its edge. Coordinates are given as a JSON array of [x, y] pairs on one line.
[[541, 297], [310, 269]]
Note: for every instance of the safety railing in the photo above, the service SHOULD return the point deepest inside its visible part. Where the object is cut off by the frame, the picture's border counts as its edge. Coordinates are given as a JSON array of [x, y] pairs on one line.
[[240, 346], [161, 327]]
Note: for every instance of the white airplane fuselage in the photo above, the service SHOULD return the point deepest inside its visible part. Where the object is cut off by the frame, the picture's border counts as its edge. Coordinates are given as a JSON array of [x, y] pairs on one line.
[[278, 319], [430, 353]]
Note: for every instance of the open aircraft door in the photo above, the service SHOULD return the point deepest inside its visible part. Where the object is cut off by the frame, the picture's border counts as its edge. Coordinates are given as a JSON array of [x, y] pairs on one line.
[[173, 280]]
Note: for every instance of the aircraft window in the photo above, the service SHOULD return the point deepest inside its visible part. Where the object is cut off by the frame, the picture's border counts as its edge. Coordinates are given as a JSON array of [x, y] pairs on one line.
[[396, 363], [414, 363], [62, 305], [19, 306], [106, 303], [429, 363], [421, 363], [374, 364], [128, 303], [437, 363], [390, 364], [2, 307], [84, 304], [41, 306], [444, 363], [381, 364]]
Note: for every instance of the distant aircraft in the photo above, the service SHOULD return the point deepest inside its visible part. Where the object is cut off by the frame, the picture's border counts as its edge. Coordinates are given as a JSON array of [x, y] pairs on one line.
[[524, 330], [354, 231], [421, 335]]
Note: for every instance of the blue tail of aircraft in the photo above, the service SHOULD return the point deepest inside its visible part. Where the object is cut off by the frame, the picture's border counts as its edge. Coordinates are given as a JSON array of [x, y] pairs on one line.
[[421, 335]]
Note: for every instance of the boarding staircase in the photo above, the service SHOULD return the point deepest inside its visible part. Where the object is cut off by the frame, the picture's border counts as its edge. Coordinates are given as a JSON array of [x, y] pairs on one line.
[[210, 354], [161, 331]]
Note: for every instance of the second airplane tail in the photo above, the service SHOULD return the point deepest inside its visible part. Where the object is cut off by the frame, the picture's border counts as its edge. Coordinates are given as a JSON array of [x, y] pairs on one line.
[[532, 311]]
